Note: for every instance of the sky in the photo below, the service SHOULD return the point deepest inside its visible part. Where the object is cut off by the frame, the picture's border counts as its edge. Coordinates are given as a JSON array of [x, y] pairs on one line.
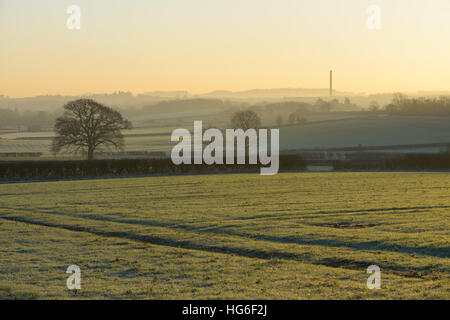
[[206, 45]]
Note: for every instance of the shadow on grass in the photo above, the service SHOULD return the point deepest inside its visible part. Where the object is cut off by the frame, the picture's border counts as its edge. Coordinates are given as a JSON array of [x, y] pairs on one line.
[[409, 271]]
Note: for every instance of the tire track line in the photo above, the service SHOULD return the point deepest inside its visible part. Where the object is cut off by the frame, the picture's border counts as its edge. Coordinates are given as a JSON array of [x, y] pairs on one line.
[[243, 252]]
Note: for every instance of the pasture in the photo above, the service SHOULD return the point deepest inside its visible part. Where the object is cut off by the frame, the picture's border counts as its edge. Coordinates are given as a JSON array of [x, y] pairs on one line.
[[240, 236]]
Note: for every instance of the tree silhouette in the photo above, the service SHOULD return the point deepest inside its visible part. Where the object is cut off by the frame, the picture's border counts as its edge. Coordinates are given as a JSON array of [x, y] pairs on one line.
[[87, 126], [245, 120]]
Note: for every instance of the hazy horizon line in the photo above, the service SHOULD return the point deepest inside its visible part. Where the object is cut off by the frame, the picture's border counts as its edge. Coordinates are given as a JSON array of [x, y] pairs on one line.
[[218, 91]]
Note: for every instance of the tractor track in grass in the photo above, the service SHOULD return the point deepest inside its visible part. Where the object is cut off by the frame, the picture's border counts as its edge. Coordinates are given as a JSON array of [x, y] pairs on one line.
[[396, 210], [438, 252], [418, 272]]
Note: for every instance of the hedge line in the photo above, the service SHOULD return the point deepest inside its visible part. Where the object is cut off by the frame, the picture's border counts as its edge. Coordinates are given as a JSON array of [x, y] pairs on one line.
[[439, 161], [58, 169]]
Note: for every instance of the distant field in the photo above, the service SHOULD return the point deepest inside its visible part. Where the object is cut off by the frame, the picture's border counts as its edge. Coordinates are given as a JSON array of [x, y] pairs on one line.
[[321, 132], [289, 236], [135, 140], [376, 131]]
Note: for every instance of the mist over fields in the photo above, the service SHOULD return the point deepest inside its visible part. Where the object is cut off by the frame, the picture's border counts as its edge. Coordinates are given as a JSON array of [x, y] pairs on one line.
[[307, 118], [126, 100]]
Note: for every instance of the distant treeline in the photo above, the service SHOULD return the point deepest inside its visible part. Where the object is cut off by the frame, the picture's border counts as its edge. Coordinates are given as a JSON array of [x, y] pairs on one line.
[[190, 105], [439, 161], [403, 105], [320, 105], [295, 112], [34, 120], [60, 169]]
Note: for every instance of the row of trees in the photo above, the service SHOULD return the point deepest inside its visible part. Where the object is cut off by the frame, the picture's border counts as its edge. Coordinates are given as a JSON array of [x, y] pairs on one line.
[[33, 120], [404, 105], [293, 118]]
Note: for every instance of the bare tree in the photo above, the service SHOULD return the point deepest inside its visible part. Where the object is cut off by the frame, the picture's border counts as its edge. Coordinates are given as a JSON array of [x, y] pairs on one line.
[[279, 120], [245, 120], [87, 126]]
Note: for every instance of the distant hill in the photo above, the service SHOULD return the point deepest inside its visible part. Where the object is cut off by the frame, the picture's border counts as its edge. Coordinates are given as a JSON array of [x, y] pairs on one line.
[[273, 93], [123, 100]]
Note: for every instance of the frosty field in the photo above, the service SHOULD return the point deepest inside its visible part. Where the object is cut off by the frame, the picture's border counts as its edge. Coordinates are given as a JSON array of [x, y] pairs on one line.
[[240, 236]]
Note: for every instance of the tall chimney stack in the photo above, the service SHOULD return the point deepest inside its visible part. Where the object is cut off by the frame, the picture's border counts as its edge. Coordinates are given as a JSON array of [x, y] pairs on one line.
[[331, 83]]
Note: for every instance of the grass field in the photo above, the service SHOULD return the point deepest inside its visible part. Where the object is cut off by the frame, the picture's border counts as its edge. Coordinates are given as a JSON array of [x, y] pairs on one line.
[[135, 140], [289, 236], [370, 131]]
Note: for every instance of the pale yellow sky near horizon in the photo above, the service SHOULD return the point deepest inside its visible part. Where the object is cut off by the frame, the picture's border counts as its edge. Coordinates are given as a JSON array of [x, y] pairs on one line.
[[206, 45]]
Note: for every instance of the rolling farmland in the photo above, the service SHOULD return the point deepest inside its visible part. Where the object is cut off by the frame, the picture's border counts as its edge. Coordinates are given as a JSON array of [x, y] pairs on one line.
[[319, 133], [289, 236], [376, 131]]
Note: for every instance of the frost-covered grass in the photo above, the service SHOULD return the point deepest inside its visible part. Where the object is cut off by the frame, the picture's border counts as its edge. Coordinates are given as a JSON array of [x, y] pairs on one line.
[[289, 236]]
